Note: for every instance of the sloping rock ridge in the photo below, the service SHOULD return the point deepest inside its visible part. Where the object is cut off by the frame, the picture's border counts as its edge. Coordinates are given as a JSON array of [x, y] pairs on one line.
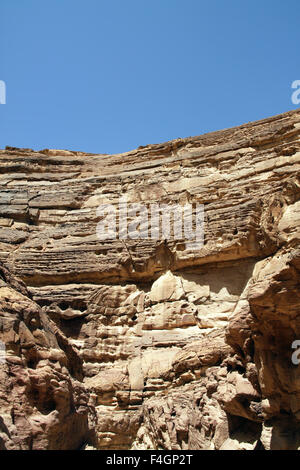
[[146, 343]]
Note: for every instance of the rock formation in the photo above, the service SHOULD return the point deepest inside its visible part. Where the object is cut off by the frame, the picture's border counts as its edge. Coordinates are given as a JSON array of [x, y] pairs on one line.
[[144, 343]]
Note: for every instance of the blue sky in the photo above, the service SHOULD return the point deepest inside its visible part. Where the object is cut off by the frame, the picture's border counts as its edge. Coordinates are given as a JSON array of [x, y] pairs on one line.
[[107, 76]]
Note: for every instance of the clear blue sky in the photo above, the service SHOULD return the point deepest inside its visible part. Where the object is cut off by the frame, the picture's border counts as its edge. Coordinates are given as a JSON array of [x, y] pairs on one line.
[[106, 76]]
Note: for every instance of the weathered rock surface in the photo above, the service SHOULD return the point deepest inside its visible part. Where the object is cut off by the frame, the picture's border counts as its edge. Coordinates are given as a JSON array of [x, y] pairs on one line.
[[147, 344]]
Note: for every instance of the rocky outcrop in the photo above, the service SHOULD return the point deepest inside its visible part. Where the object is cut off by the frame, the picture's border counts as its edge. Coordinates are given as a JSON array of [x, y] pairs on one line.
[[147, 343], [42, 397]]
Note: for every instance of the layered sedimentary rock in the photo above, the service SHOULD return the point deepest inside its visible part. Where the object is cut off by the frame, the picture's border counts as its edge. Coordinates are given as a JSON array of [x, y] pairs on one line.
[[147, 343]]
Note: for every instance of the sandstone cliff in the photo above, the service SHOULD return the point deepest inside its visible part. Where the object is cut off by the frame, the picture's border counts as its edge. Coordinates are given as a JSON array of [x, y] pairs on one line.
[[146, 344]]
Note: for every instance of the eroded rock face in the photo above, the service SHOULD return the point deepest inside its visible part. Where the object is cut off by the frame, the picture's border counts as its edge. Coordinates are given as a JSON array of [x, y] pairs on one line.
[[147, 344], [42, 397]]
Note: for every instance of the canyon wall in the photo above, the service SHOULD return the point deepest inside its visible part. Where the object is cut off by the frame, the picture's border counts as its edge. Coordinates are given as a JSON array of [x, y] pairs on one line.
[[147, 343]]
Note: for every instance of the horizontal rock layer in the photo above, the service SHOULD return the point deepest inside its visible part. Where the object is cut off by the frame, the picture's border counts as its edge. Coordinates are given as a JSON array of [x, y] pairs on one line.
[[147, 343]]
